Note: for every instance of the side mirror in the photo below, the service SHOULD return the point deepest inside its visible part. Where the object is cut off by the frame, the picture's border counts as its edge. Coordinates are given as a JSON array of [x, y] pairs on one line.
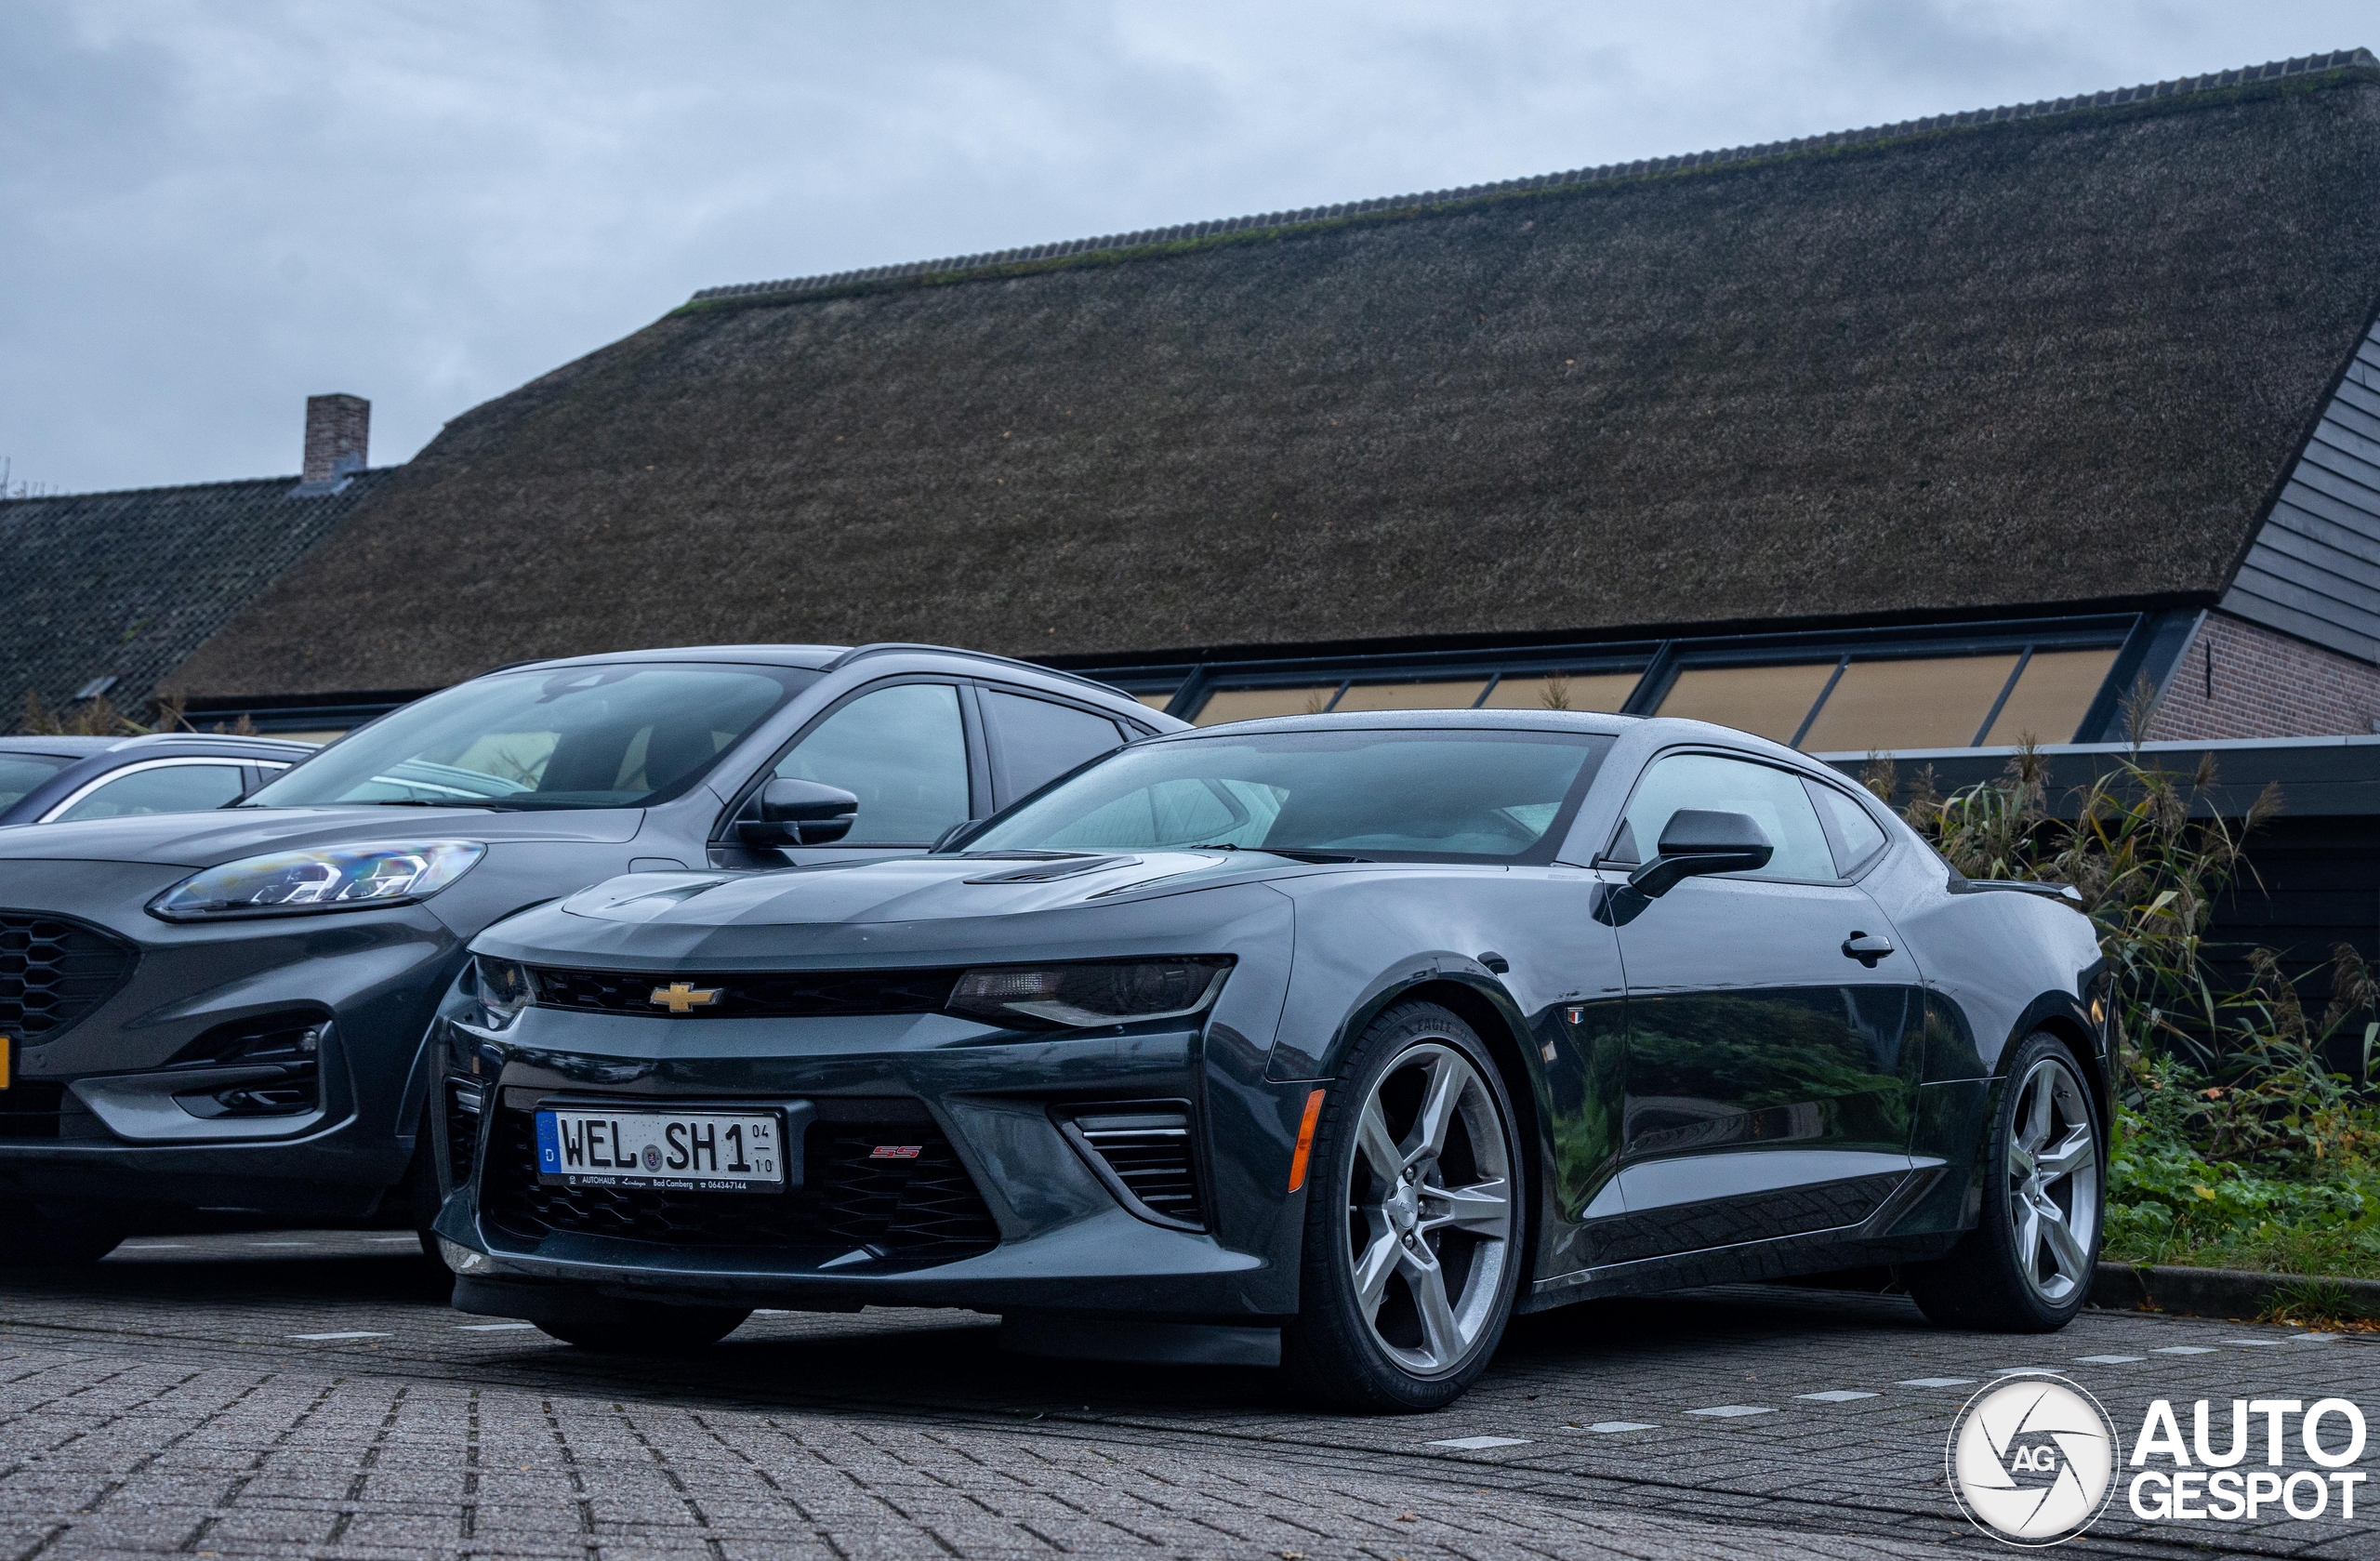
[[1697, 842], [798, 813]]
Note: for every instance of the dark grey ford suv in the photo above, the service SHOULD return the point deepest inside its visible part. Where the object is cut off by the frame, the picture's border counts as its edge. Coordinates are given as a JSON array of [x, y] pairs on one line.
[[218, 1018]]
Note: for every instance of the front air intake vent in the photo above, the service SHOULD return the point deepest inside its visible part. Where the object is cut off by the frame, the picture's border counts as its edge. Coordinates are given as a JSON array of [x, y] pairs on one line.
[[1143, 1151], [53, 972]]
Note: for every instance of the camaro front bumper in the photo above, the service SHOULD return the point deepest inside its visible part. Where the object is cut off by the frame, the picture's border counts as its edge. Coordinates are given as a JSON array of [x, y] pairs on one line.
[[941, 1163]]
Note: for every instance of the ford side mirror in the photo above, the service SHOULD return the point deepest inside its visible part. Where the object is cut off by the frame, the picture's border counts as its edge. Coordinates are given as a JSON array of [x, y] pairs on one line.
[[1697, 842], [798, 813]]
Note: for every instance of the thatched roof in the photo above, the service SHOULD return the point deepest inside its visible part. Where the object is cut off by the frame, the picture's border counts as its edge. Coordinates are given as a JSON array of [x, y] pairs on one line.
[[125, 584], [2061, 354]]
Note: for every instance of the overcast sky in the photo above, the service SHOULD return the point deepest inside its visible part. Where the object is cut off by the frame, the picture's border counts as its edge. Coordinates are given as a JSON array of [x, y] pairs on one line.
[[210, 211]]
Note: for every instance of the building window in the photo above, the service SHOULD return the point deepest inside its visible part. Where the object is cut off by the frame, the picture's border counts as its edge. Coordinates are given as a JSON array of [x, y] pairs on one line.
[[1412, 697], [1559, 690], [1255, 703], [1938, 702], [2050, 697], [1770, 701]]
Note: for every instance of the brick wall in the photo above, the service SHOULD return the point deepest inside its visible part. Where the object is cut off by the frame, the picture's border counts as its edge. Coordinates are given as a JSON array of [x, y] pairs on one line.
[[2242, 680], [335, 426]]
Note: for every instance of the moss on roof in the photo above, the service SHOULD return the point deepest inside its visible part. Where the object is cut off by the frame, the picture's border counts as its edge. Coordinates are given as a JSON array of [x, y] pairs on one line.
[[2053, 358]]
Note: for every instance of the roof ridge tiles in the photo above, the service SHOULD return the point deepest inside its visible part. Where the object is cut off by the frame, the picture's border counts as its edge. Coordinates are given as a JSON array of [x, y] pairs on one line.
[[1117, 244], [80, 493]]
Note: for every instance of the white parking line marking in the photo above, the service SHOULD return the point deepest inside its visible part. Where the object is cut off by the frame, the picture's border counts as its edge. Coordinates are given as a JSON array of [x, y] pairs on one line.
[[2188, 1349], [771, 1312], [2256, 1344], [1935, 1381], [357, 1335], [490, 1326], [1834, 1396], [2109, 1359], [281, 1243], [1729, 1411], [154, 1247], [2325, 1337], [408, 1240], [1606, 1427], [1473, 1444], [2020, 1371]]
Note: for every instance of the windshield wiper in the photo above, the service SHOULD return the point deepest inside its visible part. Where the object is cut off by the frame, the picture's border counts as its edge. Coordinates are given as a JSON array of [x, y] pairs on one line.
[[431, 802], [1294, 852]]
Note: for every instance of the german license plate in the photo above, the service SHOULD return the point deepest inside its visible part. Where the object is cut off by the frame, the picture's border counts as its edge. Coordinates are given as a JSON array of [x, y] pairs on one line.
[[682, 1151]]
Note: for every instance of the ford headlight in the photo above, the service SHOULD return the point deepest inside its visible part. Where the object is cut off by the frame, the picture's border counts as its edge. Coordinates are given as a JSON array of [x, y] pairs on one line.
[[1114, 993], [332, 878]]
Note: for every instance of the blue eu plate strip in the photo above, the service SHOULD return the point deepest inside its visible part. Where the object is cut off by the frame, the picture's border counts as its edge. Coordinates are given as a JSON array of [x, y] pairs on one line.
[[549, 1145]]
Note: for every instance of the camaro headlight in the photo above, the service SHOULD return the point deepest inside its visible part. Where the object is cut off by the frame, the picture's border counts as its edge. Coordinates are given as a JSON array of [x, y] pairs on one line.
[[331, 877], [1085, 996]]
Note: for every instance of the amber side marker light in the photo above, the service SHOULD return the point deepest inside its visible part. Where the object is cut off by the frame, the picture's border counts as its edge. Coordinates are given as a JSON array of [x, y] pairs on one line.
[[8, 1063], [1305, 1140]]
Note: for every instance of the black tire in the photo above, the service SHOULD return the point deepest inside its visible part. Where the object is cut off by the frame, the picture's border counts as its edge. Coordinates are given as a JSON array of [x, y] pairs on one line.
[[1388, 1358], [53, 1237], [641, 1327], [1994, 1279]]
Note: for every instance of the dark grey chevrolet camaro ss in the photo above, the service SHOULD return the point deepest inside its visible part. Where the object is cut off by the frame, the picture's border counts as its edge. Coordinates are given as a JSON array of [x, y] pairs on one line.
[[1328, 1041]]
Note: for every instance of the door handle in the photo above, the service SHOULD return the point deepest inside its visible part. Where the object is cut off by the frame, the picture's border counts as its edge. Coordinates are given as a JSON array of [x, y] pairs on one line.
[[1866, 947]]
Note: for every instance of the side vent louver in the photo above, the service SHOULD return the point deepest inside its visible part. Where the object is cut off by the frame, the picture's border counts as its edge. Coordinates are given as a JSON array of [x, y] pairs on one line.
[[1143, 1151]]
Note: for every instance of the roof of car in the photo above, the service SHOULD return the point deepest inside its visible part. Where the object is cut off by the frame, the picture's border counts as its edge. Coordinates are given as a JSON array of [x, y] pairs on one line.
[[827, 658]]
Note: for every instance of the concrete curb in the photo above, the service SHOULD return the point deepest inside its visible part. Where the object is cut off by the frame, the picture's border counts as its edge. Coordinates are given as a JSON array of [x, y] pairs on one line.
[[2211, 1293]]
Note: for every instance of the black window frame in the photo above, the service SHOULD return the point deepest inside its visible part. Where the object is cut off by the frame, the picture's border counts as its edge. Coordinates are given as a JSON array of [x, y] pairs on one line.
[[1607, 859], [971, 726]]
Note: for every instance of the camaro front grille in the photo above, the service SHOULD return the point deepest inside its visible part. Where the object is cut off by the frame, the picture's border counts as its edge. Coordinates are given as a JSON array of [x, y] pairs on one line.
[[916, 1208], [751, 993], [53, 972]]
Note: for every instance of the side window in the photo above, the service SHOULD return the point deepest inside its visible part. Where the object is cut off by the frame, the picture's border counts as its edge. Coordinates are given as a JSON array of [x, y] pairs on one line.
[[166, 788], [1773, 797], [902, 751], [1857, 836], [1033, 741]]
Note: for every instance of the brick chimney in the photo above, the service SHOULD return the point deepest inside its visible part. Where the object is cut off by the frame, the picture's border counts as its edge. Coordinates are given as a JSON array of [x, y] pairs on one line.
[[338, 436]]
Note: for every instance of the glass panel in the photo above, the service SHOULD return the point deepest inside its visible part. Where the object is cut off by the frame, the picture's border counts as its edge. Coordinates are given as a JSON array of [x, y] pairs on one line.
[[2049, 700], [1774, 799], [1559, 690], [1498, 795], [1255, 703], [1411, 696], [20, 773], [902, 752], [1861, 834], [1935, 703], [1768, 701], [1038, 741], [620, 736], [173, 788]]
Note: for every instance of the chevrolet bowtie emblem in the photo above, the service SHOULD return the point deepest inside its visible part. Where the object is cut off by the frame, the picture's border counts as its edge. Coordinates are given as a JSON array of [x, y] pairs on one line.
[[680, 997]]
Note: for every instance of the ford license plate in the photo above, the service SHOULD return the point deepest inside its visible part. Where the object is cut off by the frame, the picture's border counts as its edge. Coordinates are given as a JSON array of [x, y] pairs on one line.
[[688, 1151]]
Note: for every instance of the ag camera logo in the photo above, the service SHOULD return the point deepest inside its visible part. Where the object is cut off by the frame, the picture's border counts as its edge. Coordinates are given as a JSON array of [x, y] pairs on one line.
[[2032, 1460]]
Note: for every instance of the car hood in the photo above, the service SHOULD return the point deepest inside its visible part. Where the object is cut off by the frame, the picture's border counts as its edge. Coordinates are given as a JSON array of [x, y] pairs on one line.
[[901, 909], [916, 888], [205, 839]]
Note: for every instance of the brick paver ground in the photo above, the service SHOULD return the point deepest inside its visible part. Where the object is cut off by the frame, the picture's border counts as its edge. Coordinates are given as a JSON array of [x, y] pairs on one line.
[[225, 1396]]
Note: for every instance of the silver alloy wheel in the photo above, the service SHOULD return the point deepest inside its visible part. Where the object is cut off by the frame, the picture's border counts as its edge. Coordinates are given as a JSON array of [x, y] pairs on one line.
[[2053, 1181], [1429, 1208]]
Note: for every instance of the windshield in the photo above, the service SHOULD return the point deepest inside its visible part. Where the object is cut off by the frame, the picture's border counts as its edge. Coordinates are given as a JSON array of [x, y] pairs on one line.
[[20, 773], [1427, 795], [581, 737]]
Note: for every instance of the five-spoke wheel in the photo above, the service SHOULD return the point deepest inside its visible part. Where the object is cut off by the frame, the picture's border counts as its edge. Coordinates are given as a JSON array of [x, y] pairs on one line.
[[2052, 1171], [1414, 1224], [2027, 1265]]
